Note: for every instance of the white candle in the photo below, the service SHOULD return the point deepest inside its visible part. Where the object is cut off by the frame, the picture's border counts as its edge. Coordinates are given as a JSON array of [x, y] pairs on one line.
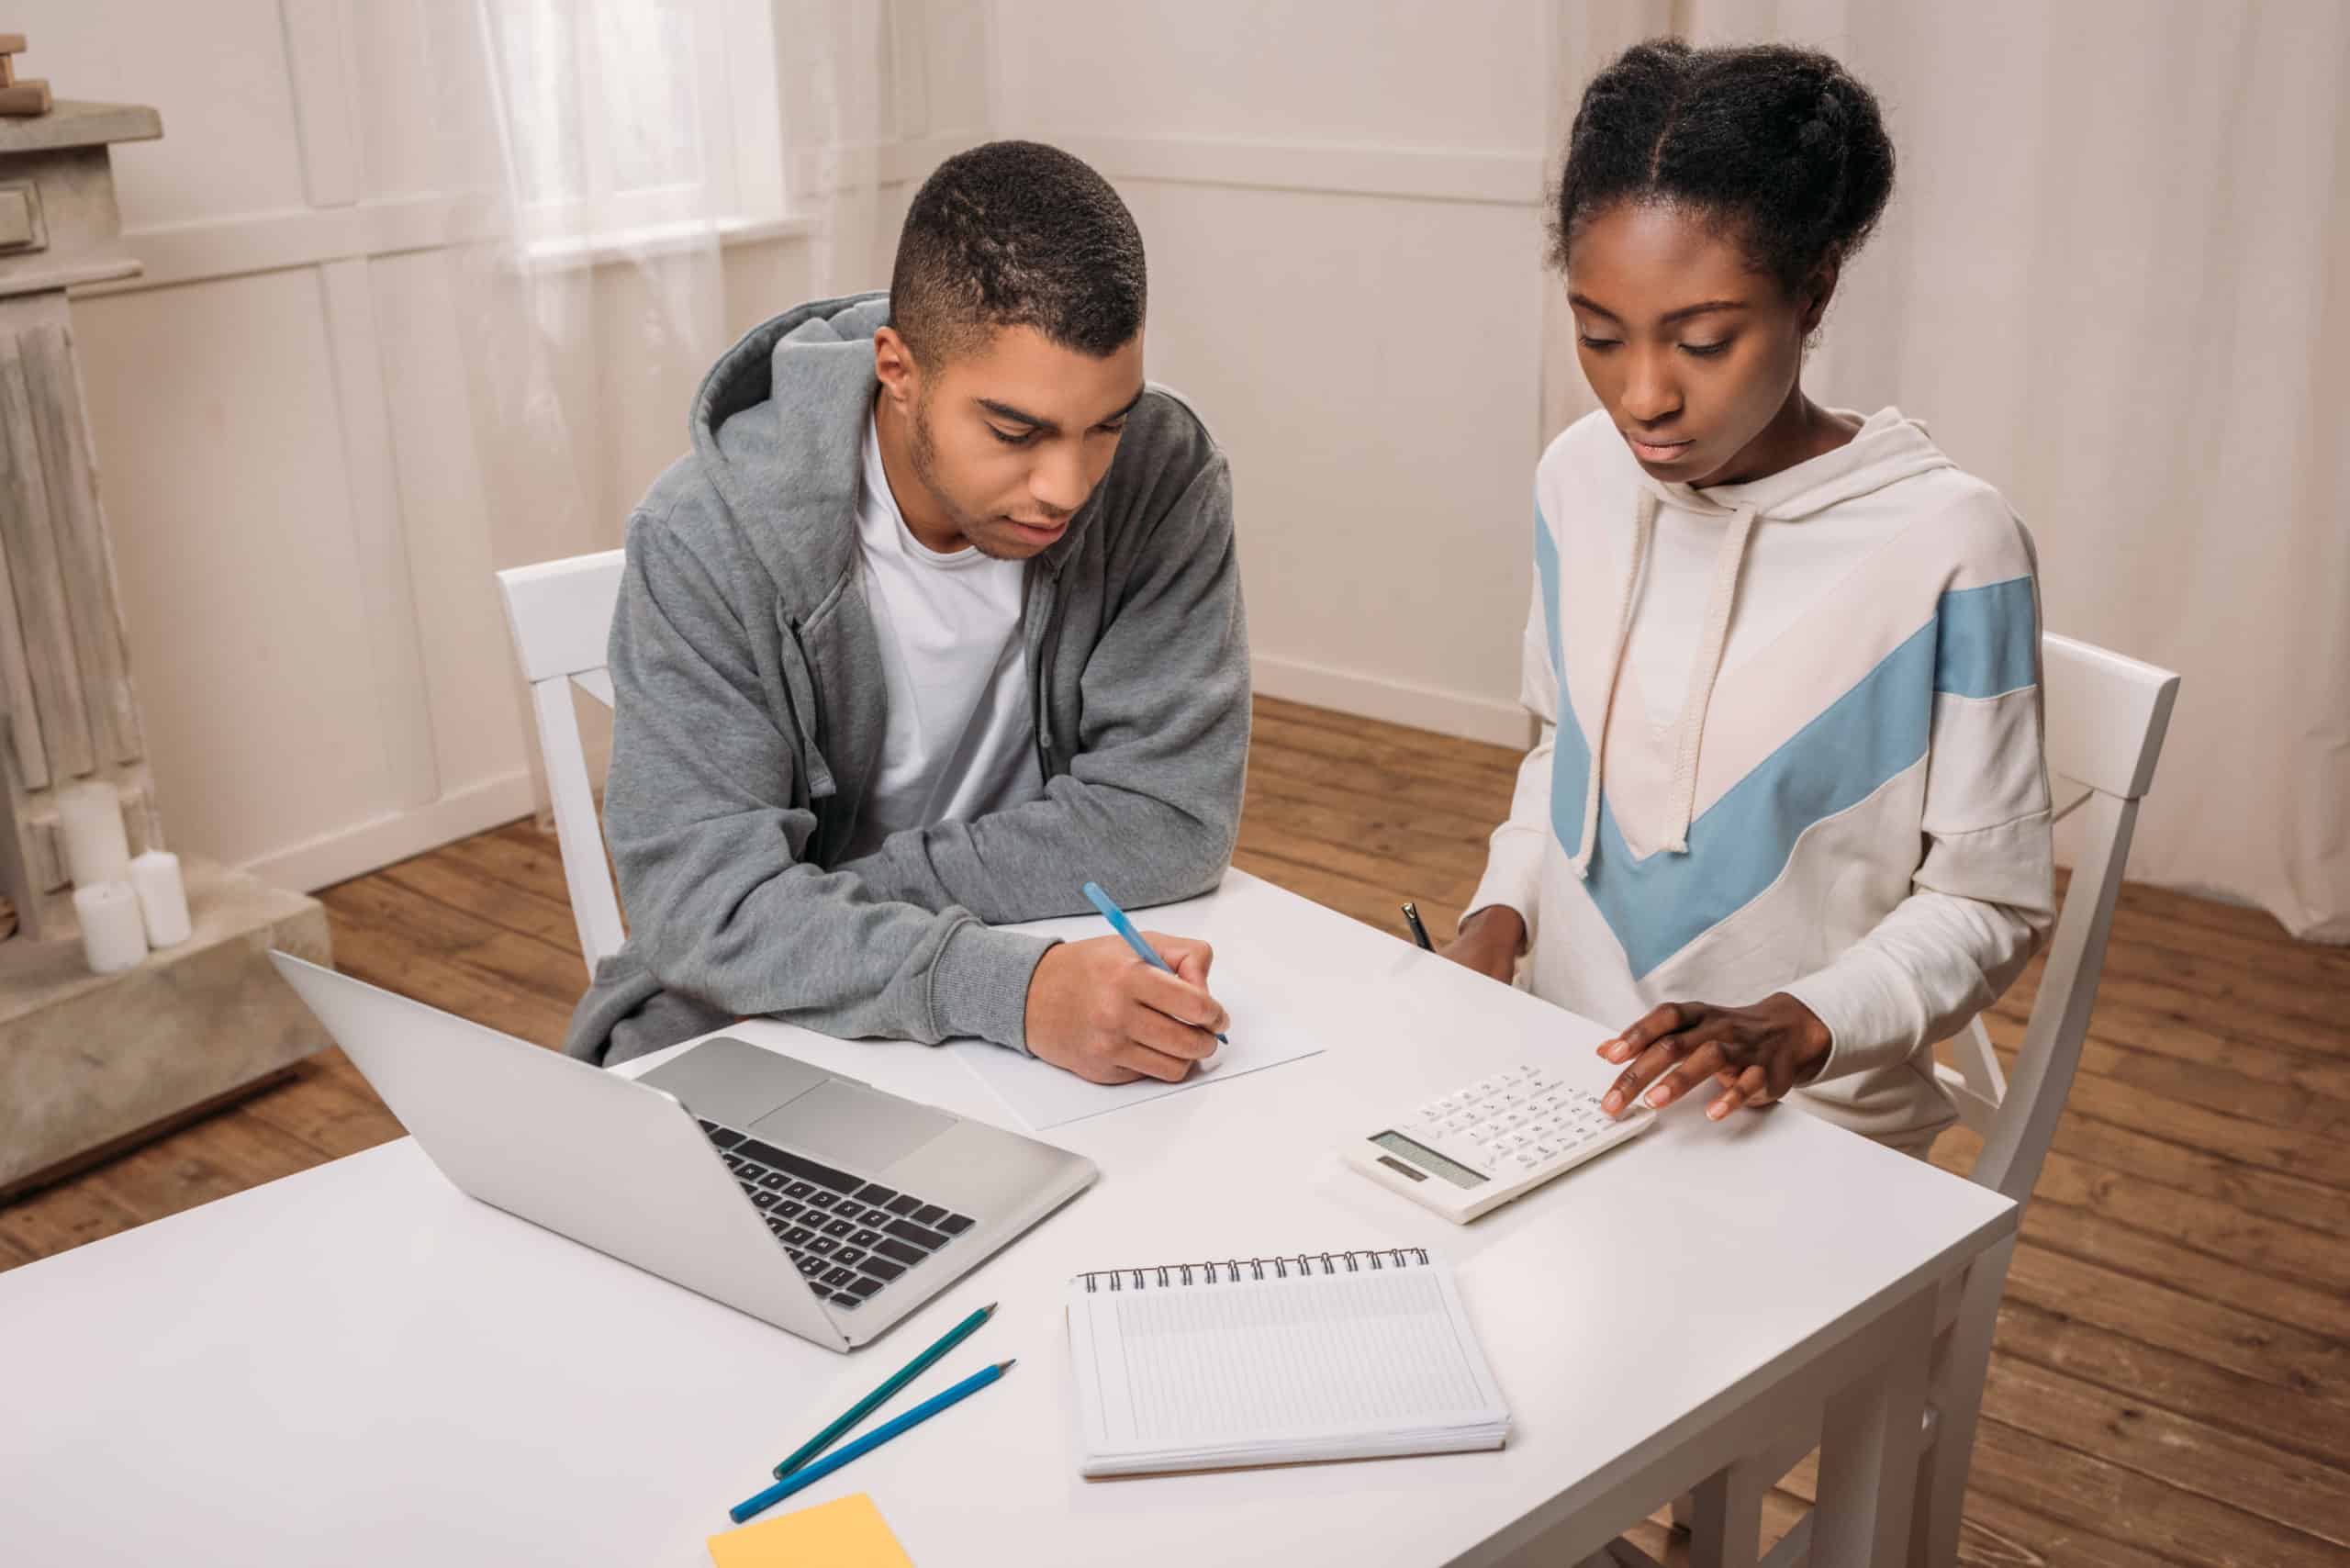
[[114, 937], [163, 897], [97, 850]]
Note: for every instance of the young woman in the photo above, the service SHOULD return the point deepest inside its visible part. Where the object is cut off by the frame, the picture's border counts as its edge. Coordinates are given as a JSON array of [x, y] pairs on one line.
[[1788, 817]]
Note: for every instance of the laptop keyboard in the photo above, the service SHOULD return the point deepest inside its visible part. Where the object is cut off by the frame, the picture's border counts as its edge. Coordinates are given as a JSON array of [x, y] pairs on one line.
[[849, 1236]]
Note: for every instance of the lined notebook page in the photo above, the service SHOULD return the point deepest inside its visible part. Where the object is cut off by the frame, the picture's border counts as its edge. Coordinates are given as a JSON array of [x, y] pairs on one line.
[[1257, 1361]]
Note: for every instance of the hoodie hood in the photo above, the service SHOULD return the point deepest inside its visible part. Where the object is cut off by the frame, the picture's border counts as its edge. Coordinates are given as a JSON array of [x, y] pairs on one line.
[[778, 432], [1888, 449]]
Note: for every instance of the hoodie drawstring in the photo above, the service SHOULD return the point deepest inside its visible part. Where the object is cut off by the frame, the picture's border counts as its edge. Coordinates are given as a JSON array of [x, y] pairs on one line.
[[1703, 671], [1691, 726], [800, 691], [1644, 507]]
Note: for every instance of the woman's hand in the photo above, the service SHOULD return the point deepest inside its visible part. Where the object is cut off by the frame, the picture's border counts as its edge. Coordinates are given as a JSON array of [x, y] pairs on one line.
[[1488, 942], [1756, 1053]]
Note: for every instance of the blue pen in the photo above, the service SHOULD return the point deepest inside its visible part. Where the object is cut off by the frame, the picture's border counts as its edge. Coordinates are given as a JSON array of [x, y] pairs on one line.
[[824, 1467], [1126, 928]]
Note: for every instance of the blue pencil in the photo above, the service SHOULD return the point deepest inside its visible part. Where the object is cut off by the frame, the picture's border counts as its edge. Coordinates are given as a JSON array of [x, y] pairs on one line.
[[866, 1406], [1126, 928], [866, 1444]]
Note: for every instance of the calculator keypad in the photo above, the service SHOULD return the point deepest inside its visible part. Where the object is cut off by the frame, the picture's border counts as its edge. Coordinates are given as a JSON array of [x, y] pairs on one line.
[[1514, 1123]]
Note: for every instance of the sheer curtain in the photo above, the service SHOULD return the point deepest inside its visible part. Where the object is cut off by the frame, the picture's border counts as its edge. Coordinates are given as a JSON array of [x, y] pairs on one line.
[[605, 193], [2115, 281], [590, 163]]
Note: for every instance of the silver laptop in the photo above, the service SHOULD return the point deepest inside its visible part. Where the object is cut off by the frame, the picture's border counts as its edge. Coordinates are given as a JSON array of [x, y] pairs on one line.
[[808, 1200]]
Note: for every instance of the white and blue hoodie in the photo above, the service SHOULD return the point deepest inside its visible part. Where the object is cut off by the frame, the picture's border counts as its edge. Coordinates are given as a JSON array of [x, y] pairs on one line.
[[1800, 751]]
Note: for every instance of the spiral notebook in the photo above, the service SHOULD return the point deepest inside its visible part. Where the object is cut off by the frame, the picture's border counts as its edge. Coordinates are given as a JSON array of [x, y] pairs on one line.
[[1276, 1360]]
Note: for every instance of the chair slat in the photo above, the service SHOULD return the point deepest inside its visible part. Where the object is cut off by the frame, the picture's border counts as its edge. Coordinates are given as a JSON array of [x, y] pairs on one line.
[[561, 612], [594, 905]]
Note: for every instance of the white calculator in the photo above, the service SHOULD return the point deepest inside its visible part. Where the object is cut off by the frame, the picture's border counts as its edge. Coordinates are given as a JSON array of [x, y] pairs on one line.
[[1482, 1145]]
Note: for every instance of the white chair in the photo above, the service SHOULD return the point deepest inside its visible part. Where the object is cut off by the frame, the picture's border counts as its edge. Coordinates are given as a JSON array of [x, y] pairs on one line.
[[560, 615], [2106, 717]]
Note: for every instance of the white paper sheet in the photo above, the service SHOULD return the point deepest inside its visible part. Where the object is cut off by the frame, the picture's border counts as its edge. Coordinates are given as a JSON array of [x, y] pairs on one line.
[[1043, 1095], [1265, 1032]]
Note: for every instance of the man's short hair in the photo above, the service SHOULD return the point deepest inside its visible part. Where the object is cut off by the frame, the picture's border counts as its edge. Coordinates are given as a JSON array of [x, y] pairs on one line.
[[1016, 234]]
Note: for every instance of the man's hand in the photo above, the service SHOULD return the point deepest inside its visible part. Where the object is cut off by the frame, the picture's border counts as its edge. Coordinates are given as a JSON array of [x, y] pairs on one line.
[[1105, 1015], [1756, 1053], [1488, 942]]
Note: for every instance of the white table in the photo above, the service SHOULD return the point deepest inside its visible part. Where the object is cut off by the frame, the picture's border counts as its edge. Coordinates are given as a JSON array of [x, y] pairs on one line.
[[360, 1365]]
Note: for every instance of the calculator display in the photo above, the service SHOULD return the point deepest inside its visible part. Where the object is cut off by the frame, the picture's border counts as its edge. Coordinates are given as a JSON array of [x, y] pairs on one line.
[[1419, 1154]]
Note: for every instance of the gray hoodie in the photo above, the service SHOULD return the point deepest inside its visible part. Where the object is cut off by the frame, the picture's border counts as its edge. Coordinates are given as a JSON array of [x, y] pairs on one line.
[[751, 712]]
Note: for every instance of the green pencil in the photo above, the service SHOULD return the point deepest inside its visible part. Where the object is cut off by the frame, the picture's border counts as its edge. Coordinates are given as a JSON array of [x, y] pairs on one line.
[[864, 1406]]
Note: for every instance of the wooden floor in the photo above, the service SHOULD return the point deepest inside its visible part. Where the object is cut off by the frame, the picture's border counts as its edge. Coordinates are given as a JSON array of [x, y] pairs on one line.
[[2172, 1378]]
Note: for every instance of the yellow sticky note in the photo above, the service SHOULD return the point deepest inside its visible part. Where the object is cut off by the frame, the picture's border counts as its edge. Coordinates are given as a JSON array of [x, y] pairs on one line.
[[846, 1533]]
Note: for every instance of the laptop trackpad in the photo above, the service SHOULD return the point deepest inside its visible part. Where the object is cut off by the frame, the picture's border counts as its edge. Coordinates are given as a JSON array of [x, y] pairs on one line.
[[845, 1125], [734, 1081]]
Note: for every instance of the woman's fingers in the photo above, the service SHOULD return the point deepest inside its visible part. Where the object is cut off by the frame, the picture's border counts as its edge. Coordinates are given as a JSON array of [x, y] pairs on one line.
[[1652, 1062], [1750, 1087], [1658, 1021], [1706, 1059], [1674, 1049]]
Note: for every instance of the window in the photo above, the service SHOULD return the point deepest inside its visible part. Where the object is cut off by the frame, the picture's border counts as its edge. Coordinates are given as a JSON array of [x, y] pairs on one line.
[[626, 116]]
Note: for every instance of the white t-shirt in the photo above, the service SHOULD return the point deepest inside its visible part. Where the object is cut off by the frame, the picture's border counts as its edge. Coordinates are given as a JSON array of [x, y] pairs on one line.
[[961, 739]]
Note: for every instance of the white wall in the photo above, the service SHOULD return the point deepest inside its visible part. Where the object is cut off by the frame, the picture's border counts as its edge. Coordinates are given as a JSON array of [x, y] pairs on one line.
[[1341, 200], [287, 436], [288, 673]]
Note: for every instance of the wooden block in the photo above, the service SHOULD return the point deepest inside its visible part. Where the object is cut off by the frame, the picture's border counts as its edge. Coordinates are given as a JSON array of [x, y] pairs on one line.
[[17, 875], [25, 98], [12, 43], [30, 526], [44, 843], [19, 713], [85, 563], [7, 70], [87, 1059]]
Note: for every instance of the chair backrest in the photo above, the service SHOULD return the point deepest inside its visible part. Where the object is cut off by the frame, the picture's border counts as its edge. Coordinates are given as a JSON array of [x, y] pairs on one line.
[[560, 615], [2106, 716]]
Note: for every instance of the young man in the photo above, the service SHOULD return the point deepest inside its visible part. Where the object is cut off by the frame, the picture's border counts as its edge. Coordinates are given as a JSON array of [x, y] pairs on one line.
[[939, 620]]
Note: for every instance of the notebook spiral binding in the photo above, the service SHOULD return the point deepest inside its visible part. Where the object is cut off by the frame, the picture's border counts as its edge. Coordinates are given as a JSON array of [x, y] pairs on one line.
[[1283, 1266]]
